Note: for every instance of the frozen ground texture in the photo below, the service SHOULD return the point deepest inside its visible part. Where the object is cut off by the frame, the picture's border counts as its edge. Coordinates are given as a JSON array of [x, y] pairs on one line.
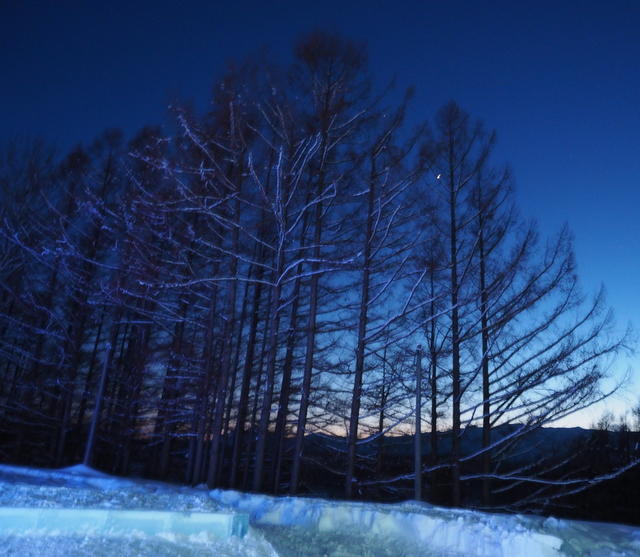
[[289, 527]]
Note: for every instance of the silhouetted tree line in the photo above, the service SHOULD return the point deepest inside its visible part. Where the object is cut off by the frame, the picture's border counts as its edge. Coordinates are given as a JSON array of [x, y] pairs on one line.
[[193, 303]]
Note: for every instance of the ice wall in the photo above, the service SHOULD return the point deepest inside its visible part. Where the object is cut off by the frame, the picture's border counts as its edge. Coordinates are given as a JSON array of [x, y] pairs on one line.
[[460, 532]]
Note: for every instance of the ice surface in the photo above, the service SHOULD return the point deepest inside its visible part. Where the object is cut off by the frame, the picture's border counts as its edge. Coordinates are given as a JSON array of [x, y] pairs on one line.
[[439, 531], [284, 527], [14, 520], [81, 512]]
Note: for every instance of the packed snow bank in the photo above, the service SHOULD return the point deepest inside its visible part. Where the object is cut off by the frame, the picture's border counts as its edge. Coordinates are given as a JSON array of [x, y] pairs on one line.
[[442, 531], [73, 476]]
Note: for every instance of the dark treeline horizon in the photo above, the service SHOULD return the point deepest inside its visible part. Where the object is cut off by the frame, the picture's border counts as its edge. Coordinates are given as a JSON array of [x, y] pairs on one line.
[[299, 258]]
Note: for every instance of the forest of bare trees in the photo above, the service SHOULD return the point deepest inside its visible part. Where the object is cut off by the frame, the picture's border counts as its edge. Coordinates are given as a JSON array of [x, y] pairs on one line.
[[265, 296]]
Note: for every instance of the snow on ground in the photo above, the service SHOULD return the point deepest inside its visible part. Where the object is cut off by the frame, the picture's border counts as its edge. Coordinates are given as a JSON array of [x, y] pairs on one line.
[[290, 526], [83, 488]]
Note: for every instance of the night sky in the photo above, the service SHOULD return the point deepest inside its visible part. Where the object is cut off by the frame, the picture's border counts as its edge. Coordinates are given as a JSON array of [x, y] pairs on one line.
[[559, 81]]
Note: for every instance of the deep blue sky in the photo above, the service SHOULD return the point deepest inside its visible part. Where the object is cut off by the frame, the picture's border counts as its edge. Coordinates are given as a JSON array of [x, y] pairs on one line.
[[559, 81]]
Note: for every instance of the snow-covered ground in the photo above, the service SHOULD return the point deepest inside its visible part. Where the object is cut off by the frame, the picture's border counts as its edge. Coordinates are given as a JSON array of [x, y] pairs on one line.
[[287, 526], [83, 488]]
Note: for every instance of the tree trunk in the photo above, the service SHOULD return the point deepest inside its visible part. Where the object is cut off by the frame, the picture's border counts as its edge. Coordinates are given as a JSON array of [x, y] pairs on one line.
[[243, 403], [221, 390], [455, 337], [285, 390], [361, 346], [99, 399], [310, 348], [486, 404], [417, 484], [265, 412]]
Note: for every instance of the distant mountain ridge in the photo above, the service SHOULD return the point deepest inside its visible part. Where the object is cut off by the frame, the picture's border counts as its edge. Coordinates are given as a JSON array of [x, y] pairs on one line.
[[548, 441]]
